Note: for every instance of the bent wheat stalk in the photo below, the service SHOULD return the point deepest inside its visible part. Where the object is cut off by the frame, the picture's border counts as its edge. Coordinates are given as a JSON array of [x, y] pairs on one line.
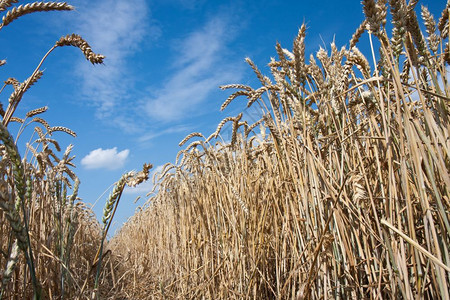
[[72, 40]]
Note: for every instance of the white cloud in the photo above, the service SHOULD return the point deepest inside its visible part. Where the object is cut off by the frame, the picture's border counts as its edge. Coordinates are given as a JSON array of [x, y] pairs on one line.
[[115, 29], [200, 65], [105, 159]]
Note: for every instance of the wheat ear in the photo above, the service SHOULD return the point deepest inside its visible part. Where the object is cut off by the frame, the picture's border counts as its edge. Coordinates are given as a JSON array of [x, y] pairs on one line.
[[4, 4], [17, 95], [36, 111], [21, 10], [63, 129], [77, 41], [190, 136]]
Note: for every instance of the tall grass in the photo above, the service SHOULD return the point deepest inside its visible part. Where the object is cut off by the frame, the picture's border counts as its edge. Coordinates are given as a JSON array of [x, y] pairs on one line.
[[340, 191]]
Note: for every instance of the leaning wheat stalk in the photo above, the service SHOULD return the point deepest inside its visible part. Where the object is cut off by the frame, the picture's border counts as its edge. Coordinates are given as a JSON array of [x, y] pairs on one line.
[[69, 40]]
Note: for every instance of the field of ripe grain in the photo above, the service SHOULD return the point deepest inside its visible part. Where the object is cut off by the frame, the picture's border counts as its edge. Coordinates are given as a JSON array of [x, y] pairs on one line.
[[339, 191]]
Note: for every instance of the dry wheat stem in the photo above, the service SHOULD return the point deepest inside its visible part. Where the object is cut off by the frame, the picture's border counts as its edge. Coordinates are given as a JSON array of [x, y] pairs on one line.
[[417, 246]]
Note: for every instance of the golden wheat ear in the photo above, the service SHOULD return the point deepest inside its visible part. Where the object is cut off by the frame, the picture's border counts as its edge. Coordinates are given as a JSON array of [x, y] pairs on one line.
[[77, 41], [4, 4], [190, 136], [22, 10]]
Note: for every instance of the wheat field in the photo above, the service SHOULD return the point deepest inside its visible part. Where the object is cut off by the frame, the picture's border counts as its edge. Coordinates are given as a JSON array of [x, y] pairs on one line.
[[339, 191]]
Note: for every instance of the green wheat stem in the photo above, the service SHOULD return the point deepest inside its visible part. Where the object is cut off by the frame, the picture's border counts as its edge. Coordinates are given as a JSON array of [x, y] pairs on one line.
[[20, 186], [108, 215]]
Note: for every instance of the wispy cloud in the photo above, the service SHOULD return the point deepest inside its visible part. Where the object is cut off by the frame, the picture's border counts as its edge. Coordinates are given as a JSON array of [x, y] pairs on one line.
[[173, 129], [200, 65], [186, 4], [115, 29], [202, 61], [105, 159]]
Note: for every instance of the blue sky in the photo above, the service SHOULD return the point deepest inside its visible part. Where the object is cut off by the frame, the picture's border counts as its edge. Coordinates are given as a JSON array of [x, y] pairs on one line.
[[165, 60]]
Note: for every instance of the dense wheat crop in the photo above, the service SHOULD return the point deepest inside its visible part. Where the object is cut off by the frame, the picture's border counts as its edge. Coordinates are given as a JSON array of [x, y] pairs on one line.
[[339, 191]]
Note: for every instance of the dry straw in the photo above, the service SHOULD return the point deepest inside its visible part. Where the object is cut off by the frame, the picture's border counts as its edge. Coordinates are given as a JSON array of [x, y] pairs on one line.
[[346, 198]]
